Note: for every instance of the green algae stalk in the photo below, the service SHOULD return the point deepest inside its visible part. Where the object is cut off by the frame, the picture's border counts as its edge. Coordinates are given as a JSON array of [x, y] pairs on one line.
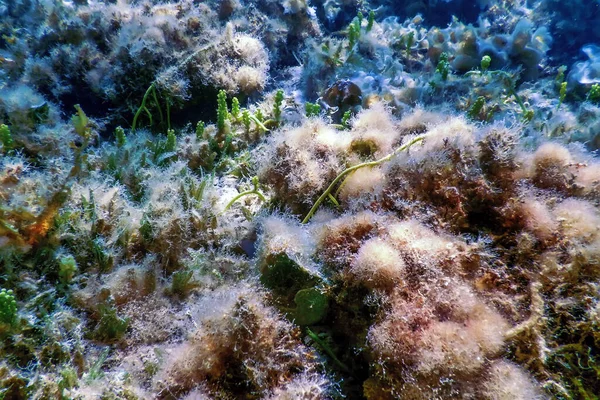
[[277, 105], [8, 307], [370, 20], [221, 111], [327, 193], [120, 135], [6, 138]]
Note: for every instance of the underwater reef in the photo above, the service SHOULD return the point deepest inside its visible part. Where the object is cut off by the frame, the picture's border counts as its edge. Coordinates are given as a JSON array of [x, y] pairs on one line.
[[299, 199]]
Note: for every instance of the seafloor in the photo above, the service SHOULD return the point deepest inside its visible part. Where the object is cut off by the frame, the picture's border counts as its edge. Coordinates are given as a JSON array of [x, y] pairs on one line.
[[293, 199]]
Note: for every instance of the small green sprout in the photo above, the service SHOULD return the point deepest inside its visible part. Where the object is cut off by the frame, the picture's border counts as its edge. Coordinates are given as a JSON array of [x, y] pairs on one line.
[[146, 230], [246, 120], [111, 327], [6, 138], [410, 41], [235, 108], [200, 130], [312, 109], [443, 66], [475, 109], [562, 94], [259, 115], [353, 34], [560, 75], [370, 20], [171, 144], [163, 151], [103, 258], [67, 268], [81, 122], [333, 56], [182, 282], [346, 119], [192, 193], [222, 111], [120, 135], [151, 367], [8, 307], [95, 372], [359, 18], [277, 105], [594, 93], [357, 22], [485, 63], [68, 378]]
